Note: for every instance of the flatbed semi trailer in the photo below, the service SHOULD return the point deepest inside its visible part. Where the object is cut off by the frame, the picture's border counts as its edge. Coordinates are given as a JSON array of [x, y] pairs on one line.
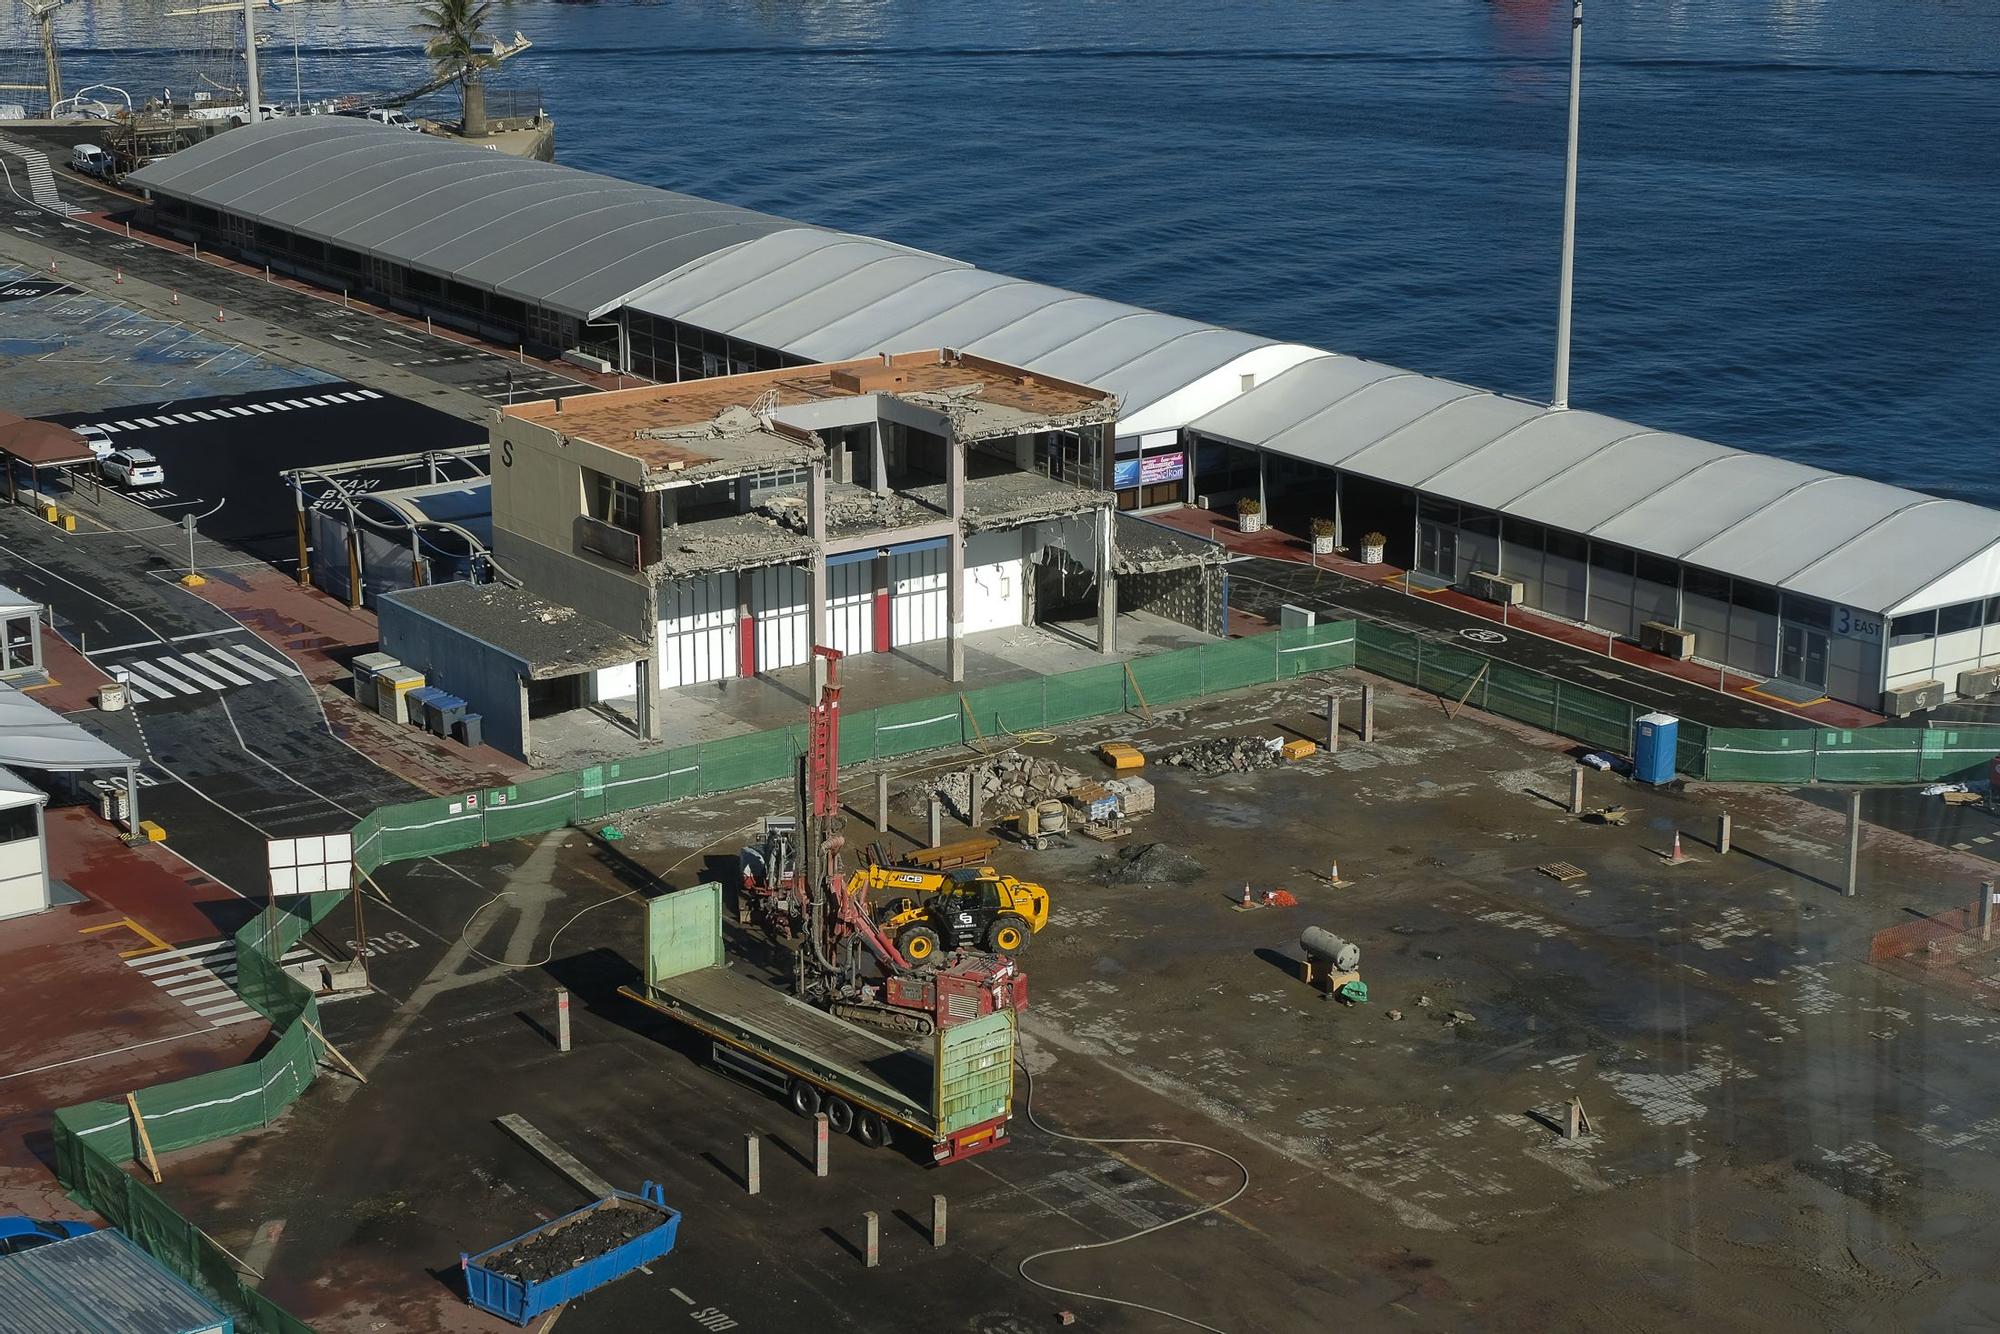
[[954, 1091]]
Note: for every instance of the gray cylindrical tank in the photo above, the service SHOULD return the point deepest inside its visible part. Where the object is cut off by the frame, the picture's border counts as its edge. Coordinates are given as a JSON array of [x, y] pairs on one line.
[[1322, 946]]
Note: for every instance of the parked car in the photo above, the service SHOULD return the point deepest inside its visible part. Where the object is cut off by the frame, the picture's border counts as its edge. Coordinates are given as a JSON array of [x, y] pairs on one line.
[[18, 1233], [94, 436], [383, 116], [131, 467], [90, 160]]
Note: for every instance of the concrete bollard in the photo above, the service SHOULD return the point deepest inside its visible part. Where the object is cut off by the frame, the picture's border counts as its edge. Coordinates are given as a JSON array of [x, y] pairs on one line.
[[872, 1250], [753, 1164], [937, 1220], [974, 799], [937, 822], [1985, 913], [562, 1019], [1332, 723], [1722, 832], [1367, 713], [1854, 843], [1576, 791], [882, 802], [819, 1144]]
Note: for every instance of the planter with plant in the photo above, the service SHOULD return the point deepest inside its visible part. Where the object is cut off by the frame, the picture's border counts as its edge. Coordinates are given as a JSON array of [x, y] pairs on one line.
[[1249, 516], [1322, 535], [1372, 547]]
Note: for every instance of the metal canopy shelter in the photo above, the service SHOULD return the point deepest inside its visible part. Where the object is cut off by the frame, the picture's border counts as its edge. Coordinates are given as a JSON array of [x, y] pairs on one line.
[[40, 445], [33, 736]]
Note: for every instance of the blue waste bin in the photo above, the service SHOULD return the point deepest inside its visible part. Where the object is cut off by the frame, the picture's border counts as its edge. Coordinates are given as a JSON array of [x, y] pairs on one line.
[[1655, 741], [469, 729], [419, 704], [442, 712]]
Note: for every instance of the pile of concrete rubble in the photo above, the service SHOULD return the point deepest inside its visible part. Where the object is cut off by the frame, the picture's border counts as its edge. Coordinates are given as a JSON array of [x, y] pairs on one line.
[[1007, 784], [1226, 755]]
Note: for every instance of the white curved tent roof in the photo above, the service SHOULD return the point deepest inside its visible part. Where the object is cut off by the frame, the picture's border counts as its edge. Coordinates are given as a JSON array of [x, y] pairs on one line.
[[547, 235], [33, 736], [1863, 544], [825, 296]]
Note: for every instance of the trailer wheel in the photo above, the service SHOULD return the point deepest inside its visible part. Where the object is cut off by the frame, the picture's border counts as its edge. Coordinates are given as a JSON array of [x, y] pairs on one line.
[[917, 943], [871, 1130], [1008, 934], [839, 1115], [804, 1099]]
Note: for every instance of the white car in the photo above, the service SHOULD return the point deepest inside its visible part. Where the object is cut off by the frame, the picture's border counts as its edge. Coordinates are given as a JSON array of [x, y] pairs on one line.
[[90, 160], [94, 436], [382, 116], [132, 467]]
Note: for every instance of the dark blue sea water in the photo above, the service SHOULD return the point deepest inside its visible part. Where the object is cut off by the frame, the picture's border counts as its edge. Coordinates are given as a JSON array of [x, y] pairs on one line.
[[1787, 222]]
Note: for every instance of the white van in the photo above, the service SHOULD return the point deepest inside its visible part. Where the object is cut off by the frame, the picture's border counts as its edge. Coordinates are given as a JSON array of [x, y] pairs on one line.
[[90, 160], [385, 116]]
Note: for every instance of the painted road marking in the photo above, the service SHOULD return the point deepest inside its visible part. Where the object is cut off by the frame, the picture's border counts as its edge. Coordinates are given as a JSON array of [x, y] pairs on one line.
[[202, 978], [197, 415], [153, 944], [198, 671]]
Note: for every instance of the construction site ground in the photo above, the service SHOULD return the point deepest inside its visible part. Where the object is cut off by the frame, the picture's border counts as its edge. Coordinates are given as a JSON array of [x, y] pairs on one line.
[[1784, 1135]]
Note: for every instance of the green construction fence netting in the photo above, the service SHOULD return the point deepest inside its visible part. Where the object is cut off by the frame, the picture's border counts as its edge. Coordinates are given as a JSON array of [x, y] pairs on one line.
[[94, 1140]]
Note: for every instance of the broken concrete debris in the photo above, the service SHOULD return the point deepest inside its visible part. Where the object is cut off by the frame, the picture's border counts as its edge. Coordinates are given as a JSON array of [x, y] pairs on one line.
[[1227, 755], [1147, 864], [1010, 783]]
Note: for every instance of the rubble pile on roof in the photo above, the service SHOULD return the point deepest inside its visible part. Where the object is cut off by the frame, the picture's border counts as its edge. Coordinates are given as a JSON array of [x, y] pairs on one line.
[[733, 542], [1008, 500], [1140, 547]]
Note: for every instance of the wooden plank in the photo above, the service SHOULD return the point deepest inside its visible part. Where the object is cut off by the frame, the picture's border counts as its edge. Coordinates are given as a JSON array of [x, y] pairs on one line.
[[145, 1140], [564, 1162]]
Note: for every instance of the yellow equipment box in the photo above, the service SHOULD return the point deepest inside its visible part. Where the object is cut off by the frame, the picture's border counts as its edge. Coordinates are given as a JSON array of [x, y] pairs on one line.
[[1298, 749], [1121, 756]]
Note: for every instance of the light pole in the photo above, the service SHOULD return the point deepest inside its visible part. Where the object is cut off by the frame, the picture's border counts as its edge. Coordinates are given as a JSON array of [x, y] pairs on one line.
[[1560, 398]]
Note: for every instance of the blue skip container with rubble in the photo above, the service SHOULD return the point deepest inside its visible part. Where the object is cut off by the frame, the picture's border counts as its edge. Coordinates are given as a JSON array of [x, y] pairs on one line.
[[566, 1257]]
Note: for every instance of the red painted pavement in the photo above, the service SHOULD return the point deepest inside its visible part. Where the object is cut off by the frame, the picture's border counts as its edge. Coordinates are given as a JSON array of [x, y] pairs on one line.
[[81, 1011], [1278, 545]]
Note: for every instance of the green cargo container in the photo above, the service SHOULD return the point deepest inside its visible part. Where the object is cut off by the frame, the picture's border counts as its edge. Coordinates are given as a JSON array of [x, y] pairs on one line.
[[956, 1090]]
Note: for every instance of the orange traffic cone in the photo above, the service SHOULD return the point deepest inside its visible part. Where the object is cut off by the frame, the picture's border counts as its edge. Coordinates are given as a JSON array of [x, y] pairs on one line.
[[218, 317], [52, 263], [1678, 856], [1246, 894], [177, 298]]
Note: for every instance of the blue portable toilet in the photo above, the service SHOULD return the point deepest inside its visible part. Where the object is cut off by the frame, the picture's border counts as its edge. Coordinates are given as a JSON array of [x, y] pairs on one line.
[[1655, 741]]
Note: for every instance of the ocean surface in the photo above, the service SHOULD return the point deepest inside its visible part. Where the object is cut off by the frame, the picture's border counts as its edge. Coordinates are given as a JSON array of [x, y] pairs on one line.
[[1787, 224]]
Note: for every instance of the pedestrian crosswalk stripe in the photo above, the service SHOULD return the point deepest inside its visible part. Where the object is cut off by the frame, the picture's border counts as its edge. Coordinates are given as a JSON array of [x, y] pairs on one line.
[[294, 403], [215, 664], [125, 426], [200, 978], [259, 407], [369, 393], [184, 419], [199, 671], [325, 398]]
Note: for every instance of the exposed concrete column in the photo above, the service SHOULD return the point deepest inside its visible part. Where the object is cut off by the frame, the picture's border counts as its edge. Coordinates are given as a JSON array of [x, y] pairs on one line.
[[954, 587], [879, 476], [1024, 451], [649, 699], [744, 580], [670, 508], [1107, 588], [816, 563]]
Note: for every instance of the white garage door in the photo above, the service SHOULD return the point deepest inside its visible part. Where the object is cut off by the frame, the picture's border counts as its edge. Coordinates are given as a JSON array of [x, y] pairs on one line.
[[850, 606], [784, 630], [916, 596], [697, 630], [992, 581]]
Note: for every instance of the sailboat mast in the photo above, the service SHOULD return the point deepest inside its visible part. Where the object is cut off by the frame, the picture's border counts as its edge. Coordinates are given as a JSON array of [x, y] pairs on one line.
[[45, 19], [251, 91]]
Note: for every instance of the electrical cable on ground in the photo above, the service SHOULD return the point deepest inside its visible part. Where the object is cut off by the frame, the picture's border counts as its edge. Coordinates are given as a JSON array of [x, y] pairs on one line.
[[1028, 1106]]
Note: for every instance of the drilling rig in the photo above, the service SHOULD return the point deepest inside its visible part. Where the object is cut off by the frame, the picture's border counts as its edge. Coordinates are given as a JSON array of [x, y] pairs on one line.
[[841, 960]]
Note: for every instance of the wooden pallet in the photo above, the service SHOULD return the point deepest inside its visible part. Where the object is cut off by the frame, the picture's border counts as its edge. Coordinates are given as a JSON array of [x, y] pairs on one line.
[[1562, 872]]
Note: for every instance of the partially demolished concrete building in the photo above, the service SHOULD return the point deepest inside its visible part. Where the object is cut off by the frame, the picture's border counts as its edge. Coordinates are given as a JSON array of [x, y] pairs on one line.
[[723, 527]]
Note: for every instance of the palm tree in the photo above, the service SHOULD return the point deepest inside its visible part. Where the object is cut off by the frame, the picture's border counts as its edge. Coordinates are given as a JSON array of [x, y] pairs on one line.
[[454, 31]]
